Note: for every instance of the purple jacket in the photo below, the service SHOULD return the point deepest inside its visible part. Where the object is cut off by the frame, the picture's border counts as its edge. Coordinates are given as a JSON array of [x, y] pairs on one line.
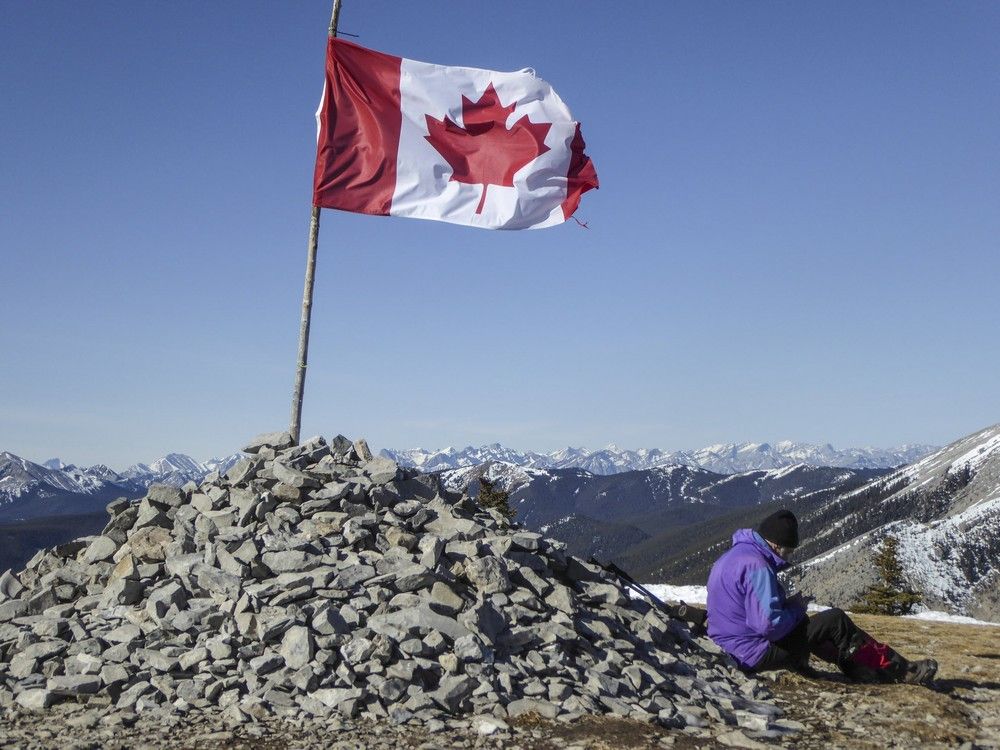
[[746, 603]]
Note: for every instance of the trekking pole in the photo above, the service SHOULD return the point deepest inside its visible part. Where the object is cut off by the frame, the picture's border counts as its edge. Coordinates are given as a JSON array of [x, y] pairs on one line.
[[693, 616]]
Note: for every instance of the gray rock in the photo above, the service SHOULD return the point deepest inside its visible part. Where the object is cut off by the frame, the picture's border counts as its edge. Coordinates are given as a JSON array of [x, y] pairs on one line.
[[77, 684], [266, 663], [543, 708], [102, 548], [452, 691], [274, 440], [36, 699], [484, 619], [84, 664], [445, 599], [336, 697], [123, 634], [294, 477], [170, 594], [289, 560], [328, 621], [357, 650], [241, 471], [297, 647], [488, 574], [413, 578], [164, 496], [381, 470], [418, 619], [353, 575], [10, 586], [158, 660], [215, 581], [362, 449], [12, 608], [149, 544]]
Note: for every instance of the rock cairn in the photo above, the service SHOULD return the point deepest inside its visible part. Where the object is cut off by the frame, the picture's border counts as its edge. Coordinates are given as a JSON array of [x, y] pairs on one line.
[[315, 580]]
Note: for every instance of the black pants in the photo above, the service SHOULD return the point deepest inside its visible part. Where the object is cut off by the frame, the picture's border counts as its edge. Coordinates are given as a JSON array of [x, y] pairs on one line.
[[830, 635]]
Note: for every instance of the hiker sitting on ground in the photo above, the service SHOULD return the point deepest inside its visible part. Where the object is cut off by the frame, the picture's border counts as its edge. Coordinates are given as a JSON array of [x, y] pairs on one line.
[[750, 617]]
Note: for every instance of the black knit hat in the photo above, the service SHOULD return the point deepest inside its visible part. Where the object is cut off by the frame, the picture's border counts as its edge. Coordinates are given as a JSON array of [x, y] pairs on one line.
[[781, 528]]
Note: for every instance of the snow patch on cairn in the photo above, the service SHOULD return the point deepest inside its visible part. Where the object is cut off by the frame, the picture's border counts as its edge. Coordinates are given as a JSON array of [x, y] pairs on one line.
[[315, 580]]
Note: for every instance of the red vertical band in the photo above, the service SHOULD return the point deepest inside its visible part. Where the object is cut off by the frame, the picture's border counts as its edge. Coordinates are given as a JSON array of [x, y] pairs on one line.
[[359, 123], [581, 176]]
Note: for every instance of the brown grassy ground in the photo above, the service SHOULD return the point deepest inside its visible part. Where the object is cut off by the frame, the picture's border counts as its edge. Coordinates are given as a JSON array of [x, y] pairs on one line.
[[963, 708]]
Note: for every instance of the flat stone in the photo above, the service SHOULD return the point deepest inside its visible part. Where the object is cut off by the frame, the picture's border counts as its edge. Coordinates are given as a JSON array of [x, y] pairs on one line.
[[297, 647], [468, 648], [216, 581], [149, 544], [123, 634], [86, 664], [489, 725], [36, 699], [381, 470], [192, 658], [266, 663], [12, 609], [416, 618], [335, 697], [241, 471], [102, 548], [287, 561], [10, 586], [526, 540], [543, 708], [484, 619], [75, 684], [328, 621], [165, 496], [444, 597], [158, 660], [294, 477], [274, 440], [413, 578], [353, 576], [452, 691], [488, 574]]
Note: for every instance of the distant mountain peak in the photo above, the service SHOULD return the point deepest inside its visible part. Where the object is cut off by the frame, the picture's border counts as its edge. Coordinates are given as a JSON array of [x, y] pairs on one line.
[[721, 458]]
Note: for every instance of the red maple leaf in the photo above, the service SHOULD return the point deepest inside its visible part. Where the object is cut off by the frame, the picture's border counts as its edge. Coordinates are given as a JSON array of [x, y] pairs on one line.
[[486, 152]]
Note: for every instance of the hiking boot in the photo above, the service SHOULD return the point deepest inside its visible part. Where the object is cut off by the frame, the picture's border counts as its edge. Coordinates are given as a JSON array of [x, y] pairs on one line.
[[808, 672], [860, 673], [920, 672]]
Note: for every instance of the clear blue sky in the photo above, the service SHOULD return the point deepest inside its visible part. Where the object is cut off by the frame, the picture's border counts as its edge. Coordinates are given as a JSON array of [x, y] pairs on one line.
[[796, 234]]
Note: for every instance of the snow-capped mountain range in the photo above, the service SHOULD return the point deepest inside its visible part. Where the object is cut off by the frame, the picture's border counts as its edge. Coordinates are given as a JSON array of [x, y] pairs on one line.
[[724, 458], [30, 490]]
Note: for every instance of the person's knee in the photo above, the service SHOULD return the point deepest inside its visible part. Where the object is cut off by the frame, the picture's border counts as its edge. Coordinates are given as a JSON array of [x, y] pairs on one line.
[[832, 615]]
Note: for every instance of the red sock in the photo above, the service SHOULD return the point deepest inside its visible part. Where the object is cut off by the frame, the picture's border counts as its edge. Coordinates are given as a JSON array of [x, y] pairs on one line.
[[873, 655]]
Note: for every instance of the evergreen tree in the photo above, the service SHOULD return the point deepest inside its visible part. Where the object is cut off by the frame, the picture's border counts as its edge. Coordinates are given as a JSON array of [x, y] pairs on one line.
[[892, 595], [498, 500]]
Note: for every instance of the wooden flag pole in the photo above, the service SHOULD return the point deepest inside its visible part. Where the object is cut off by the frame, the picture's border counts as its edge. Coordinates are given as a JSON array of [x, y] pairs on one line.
[[307, 293]]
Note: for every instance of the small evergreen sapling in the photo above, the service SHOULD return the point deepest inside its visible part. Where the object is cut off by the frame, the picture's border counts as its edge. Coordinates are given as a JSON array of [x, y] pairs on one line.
[[498, 500], [892, 595]]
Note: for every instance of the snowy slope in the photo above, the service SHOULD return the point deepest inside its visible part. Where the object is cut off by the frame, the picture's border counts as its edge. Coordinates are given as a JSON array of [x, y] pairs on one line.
[[945, 511]]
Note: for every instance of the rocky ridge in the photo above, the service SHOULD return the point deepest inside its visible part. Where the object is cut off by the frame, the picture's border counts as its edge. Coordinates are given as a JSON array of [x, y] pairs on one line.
[[945, 512], [315, 581]]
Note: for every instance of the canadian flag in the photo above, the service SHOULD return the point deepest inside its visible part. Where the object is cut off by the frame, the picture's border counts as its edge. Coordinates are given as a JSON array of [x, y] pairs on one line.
[[478, 147]]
